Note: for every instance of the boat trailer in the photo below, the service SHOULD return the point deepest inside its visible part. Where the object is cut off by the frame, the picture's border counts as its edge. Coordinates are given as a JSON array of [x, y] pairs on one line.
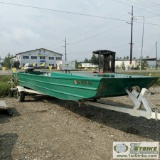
[[142, 106]]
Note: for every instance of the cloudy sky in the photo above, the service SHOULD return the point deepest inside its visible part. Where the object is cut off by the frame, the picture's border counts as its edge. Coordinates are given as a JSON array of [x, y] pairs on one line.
[[88, 25]]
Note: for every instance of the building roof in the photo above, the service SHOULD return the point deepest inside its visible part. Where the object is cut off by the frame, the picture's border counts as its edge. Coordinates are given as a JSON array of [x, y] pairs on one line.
[[39, 49], [125, 60], [147, 59], [138, 59], [102, 52]]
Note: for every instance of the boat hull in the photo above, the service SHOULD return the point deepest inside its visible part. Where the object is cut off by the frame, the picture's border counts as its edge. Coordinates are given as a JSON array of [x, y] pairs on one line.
[[81, 87]]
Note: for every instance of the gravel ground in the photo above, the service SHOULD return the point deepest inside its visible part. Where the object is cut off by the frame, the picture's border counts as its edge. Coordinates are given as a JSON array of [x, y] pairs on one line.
[[46, 128]]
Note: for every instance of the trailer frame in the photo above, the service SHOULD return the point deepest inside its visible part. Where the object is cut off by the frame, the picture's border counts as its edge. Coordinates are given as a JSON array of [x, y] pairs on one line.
[[142, 106]]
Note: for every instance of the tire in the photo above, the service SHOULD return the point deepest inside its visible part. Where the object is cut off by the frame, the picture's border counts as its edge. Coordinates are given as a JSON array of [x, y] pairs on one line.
[[11, 94], [136, 88], [20, 96]]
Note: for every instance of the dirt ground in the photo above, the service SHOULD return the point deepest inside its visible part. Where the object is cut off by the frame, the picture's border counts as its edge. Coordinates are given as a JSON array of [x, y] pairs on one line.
[[46, 128]]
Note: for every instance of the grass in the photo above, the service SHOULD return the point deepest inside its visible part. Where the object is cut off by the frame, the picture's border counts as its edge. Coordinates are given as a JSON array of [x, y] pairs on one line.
[[4, 86]]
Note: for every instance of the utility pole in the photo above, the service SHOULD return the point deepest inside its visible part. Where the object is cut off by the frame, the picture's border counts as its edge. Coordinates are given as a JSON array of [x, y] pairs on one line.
[[131, 44], [142, 43], [156, 55], [65, 50]]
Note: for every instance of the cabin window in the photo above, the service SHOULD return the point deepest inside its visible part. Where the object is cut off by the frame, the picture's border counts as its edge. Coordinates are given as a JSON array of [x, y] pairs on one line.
[[42, 57], [33, 57], [51, 58], [58, 58], [25, 57]]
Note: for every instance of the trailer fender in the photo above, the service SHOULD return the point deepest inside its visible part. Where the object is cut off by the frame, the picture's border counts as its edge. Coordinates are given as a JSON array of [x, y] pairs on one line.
[[20, 89]]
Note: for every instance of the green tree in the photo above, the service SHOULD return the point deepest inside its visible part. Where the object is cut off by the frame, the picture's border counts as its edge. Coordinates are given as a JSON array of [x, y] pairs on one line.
[[94, 59], [86, 60], [14, 62], [76, 63], [144, 64], [123, 65], [7, 59]]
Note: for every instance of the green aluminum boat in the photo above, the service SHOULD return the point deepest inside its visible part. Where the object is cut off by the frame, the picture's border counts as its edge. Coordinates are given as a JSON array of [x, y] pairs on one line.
[[72, 86]]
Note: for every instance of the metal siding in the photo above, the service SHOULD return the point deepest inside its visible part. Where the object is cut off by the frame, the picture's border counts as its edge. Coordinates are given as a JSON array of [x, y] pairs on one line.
[[35, 53]]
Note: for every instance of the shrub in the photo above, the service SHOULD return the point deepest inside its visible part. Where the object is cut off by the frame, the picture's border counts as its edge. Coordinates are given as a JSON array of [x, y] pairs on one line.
[[4, 86], [4, 89]]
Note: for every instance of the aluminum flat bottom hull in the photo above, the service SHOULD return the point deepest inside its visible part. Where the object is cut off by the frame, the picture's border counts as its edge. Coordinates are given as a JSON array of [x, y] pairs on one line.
[[68, 86]]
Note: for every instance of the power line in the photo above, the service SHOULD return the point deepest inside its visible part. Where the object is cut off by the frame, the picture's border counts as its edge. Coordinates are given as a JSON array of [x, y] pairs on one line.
[[141, 3], [92, 29], [150, 3], [108, 47], [122, 2], [55, 43], [155, 16], [124, 44], [149, 23], [97, 27], [58, 47], [62, 11], [153, 3], [93, 35], [123, 49], [82, 14], [86, 31], [136, 7]]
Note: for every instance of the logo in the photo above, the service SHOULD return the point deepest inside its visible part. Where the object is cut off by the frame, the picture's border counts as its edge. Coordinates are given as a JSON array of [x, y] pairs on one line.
[[136, 150], [119, 148]]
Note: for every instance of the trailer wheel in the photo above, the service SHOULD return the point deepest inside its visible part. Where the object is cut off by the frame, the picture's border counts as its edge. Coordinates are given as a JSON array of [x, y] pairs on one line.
[[20, 96], [136, 88]]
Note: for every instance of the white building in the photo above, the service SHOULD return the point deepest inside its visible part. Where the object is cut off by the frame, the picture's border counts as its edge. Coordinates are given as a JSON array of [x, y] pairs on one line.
[[66, 65], [118, 63], [39, 57], [126, 63], [89, 65]]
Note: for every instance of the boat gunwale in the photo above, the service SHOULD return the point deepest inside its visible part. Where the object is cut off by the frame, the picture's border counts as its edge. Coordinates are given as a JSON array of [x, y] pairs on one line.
[[96, 79], [88, 77]]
